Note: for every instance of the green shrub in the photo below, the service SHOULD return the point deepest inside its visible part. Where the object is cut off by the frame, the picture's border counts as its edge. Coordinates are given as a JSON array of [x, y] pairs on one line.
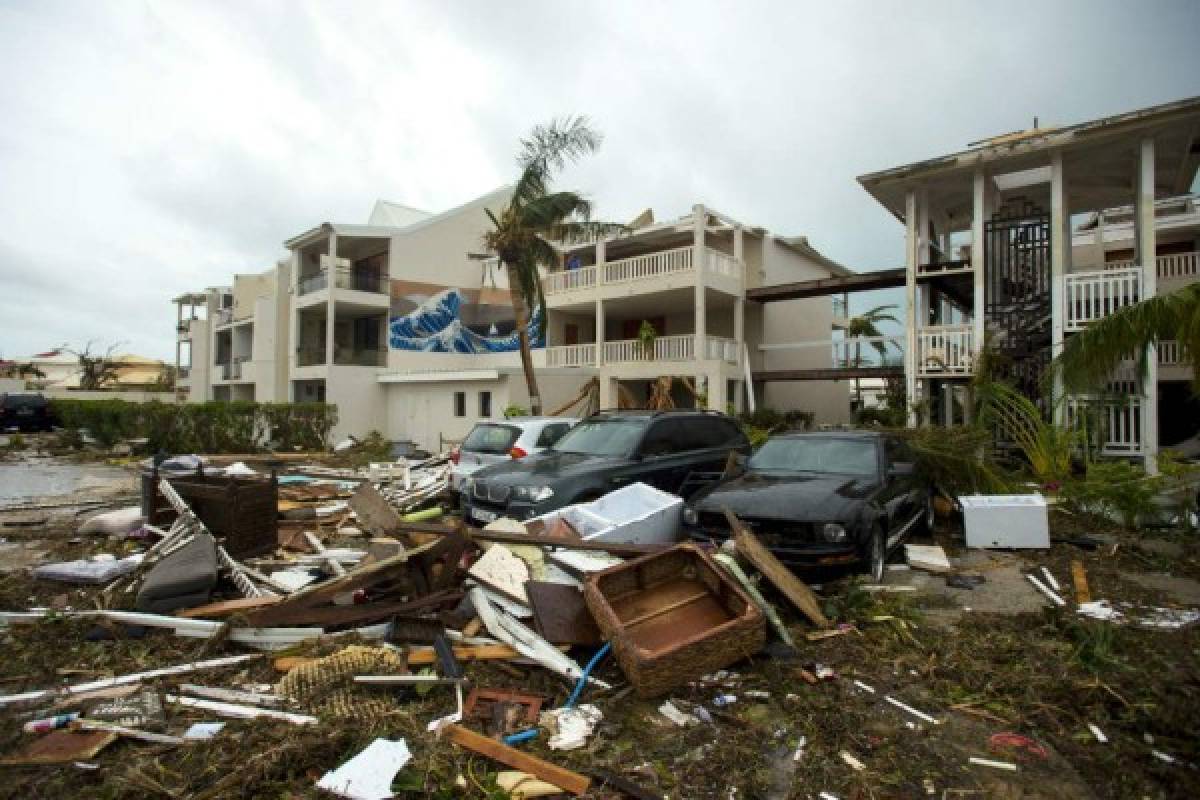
[[1113, 488], [515, 410], [236, 427]]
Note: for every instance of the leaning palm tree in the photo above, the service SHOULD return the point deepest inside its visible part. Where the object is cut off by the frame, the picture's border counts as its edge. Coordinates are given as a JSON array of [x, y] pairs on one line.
[[524, 233], [866, 324], [1089, 357]]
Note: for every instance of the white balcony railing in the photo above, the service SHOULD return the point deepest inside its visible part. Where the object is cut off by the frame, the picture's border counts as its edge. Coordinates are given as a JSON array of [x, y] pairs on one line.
[[664, 262], [1170, 354], [718, 263], [1095, 295], [223, 317], [1177, 266], [945, 350], [666, 348], [569, 280], [1120, 422], [571, 355], [718, 348]]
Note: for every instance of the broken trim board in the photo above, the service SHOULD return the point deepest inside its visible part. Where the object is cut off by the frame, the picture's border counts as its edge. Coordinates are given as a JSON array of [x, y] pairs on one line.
[[566, 780], [239, 712], [61, 747], [782, 578]]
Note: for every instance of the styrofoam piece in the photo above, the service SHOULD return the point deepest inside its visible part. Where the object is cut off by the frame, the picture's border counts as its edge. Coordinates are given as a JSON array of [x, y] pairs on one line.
[[581, 562], [369, 775], [94, 572], [634, 514], [929, 557], [1006, 520]]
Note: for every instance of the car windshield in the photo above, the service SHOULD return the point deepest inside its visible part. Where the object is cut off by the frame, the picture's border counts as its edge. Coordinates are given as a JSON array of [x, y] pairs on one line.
[[606, 437], [833, 456], [493, 439]]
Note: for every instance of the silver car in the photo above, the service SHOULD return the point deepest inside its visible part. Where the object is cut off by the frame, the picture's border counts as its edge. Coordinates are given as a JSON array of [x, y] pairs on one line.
[[495, 442]]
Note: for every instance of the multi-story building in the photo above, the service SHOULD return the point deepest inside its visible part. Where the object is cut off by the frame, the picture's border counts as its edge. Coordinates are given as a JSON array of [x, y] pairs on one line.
[[1029, 237], [407, 326]]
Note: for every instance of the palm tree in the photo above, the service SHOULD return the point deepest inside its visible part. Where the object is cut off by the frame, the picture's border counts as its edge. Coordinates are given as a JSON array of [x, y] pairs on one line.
[[535, 217], [1089, 357], [866, 325]]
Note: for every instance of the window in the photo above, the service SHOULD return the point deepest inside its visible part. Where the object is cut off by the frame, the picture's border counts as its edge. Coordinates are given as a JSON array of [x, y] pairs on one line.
[[492, 439], [604, 437], [551, 434], [485, 404], [666, 437], [460, 404], [713, 432], [816, 454]]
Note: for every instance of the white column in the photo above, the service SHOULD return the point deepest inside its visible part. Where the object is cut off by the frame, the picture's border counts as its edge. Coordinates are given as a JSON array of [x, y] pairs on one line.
[[739, 253], [716, 391], [698, 219], [979, 215], [599, 332], [1060, 264], [601, 258], [910, 303], [1147, 250], [330, 279]]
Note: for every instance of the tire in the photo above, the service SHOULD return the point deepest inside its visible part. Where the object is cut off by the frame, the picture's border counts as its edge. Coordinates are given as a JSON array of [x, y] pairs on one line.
[[929, 518], [876, 556]]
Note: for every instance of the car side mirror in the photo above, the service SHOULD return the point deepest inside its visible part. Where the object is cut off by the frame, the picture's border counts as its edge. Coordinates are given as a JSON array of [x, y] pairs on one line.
[[901, 469]]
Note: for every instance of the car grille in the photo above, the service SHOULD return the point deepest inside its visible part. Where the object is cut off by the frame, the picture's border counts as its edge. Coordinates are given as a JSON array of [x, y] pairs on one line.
[[491, 493], [771, 532]]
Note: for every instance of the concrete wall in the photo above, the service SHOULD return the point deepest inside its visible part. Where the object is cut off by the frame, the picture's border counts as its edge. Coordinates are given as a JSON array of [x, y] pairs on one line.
[[360, 402], [16, 385], [435, 250]]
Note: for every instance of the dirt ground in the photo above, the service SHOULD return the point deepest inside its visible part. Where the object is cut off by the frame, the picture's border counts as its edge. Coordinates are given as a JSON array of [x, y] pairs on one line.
[[992, 660]]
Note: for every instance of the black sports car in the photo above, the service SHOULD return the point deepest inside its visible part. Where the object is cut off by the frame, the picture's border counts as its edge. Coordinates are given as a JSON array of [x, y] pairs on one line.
[[820, 499]]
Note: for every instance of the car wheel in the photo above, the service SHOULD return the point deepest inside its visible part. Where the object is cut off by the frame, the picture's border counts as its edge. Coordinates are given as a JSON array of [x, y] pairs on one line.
[[876, 556], [929, 516]]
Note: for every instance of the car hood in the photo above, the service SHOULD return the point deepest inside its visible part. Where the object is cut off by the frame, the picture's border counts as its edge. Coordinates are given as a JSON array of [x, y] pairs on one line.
[[543, 469], [806, 498]]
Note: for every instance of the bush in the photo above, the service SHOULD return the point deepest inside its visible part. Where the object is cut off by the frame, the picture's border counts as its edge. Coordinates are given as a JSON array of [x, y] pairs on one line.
[[237, 427], [1115, 489], [775, 421]]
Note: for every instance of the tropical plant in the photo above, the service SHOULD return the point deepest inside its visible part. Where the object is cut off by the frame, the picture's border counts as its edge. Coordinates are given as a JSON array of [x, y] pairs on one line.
[[866, 325], [1089, 357], [1015, 418], [647, 335], [95, 371], [524, 231]]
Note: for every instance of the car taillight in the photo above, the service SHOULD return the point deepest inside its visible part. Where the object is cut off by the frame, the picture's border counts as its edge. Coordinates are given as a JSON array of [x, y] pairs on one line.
[[455, 455], [517, 452]]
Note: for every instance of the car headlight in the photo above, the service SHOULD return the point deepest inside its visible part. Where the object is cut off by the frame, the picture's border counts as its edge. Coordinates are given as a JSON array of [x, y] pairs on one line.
[[834, 532], [533, 494], [690, 517]]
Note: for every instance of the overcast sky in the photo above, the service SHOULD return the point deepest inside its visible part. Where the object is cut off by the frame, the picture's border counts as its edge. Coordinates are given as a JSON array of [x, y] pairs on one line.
[[148, 148]]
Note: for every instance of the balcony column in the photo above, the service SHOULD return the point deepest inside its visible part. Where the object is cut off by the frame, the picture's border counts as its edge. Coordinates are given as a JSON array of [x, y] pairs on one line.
[[982, 196], [739, 321], [739, 252], [599, 337], [601, 259], [1060, 265], [330, 278], [1147, 251], [699, 217], [910, 303]]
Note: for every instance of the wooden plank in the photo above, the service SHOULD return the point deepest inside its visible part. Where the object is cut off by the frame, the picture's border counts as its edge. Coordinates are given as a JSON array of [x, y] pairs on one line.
[[828, 373], [424, 656], [780, 576], [1082, 593], [566, 780], [822, 287], [539, 539], [225, 608], [375, 514]]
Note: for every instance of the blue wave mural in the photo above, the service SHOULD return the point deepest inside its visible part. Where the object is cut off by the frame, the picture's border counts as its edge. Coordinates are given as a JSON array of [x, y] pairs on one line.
[[435, 326]]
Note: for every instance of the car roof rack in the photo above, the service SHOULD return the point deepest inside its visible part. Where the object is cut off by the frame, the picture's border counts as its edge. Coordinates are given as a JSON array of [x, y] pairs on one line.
[[655, 412]]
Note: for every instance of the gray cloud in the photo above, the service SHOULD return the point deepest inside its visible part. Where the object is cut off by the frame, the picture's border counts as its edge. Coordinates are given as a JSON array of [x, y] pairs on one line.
[[153, 148]]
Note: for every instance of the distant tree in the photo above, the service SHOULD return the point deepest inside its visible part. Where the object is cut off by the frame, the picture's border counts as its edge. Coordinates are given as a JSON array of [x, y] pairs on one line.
[[95, 371], [535, 218], [866, 325]]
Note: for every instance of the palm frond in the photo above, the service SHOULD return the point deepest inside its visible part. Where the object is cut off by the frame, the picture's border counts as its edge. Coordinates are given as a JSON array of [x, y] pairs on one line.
[[1090, 356], [554, 209], [548, 149], [578, 232]]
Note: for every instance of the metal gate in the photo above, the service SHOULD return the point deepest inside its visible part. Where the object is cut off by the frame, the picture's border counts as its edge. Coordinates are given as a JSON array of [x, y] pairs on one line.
[[1017, 299]]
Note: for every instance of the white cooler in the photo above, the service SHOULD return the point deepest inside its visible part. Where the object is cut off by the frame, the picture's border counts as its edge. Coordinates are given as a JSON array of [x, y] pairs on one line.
[[1006, 520]]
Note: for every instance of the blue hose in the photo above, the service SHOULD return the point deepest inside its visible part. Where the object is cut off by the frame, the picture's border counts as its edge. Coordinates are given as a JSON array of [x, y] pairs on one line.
[[531, 733]]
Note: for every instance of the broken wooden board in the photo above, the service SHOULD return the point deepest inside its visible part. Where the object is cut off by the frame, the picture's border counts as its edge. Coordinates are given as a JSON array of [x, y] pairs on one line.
[[560, 614], [1083, 594], [501, 571], [566, 780], [375, 515], [226, 608], [61, 747], [423, 656], [782, 578]]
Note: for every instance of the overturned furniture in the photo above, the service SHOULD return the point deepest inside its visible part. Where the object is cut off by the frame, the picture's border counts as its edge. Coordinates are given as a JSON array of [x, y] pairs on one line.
[[242, 511], [673, 617]]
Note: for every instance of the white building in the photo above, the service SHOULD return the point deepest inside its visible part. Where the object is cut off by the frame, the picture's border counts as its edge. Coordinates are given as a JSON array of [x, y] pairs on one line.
[[1010, 239], [408, 329]]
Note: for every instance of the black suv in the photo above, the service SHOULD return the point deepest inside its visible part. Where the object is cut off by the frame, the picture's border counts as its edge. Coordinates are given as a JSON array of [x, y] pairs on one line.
[[25, 412], [676, 451]]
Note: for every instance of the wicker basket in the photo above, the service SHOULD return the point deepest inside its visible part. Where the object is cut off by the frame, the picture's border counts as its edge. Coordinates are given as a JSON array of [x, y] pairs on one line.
[[241, 511], [673, 617]]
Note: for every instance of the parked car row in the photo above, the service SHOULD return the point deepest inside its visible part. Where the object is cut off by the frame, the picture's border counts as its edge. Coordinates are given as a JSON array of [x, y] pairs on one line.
[[814, 499]]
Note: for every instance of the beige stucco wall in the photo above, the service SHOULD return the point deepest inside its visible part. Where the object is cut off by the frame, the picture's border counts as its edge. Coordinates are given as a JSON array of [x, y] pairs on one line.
[[360, 402], [436, 251]]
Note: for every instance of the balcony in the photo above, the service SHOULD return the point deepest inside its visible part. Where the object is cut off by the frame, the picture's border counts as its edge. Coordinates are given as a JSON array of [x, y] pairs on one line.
[[636, 269], [355, 280], [945, 350], [312, 283], [1094, 295], [671, 349], [1172, 267], [223, 317], [310, 356], [1119, 421], [359, 357], [182, 373], [231, 370]]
